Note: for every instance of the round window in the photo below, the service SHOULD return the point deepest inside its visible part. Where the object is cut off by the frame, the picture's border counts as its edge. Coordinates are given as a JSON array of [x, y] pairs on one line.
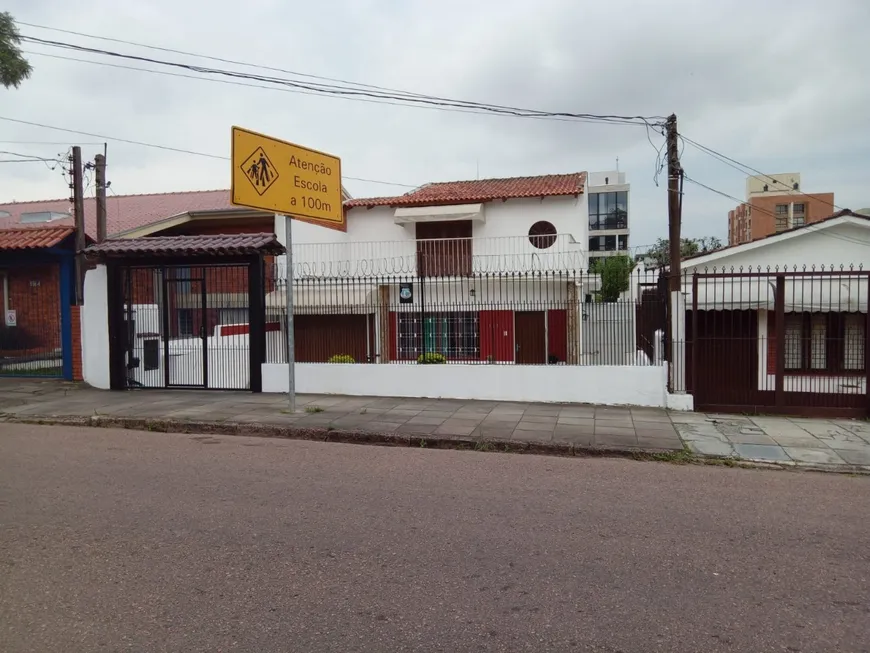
[[542, 234]]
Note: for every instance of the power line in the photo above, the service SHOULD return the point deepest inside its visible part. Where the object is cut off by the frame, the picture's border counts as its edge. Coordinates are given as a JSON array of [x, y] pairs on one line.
[[302, 92], [808, 227], [169, 148], [733, 163], [44, 143], [345, 83], [353, 91]]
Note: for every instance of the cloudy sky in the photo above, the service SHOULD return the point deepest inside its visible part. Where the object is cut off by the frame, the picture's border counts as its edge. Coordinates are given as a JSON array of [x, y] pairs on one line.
[[778, 84]]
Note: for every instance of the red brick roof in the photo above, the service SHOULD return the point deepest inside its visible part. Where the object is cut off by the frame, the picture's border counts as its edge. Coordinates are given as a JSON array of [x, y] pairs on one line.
[[124, 212], [222, 245], [483, 190], [33, 237]]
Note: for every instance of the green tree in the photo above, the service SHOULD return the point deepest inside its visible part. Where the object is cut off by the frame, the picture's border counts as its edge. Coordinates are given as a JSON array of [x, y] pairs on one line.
[[615, 274], [14, 68], [661, 251]]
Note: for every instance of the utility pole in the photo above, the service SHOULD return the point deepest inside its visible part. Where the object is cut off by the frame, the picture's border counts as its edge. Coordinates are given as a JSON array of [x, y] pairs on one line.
[[675, 344], [79, 209], [100, 178], [674, 201]]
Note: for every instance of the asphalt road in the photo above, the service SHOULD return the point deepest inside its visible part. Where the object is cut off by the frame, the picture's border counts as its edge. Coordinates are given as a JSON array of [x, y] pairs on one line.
[[115, 540]]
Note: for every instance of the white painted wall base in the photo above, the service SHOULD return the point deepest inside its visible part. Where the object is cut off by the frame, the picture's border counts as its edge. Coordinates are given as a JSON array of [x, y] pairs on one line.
[[679, 402], [95, 329], [604, 385]]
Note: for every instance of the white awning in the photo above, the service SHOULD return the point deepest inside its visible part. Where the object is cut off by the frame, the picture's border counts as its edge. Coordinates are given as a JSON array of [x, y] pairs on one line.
[[325, 299], [414, 214], [847, 294]]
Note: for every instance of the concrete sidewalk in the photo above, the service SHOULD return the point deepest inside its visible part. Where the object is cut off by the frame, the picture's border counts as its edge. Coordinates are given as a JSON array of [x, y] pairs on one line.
[[827, 444]]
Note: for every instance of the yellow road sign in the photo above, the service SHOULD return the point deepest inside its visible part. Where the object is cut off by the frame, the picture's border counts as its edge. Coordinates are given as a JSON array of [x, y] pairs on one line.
[[273, 175]]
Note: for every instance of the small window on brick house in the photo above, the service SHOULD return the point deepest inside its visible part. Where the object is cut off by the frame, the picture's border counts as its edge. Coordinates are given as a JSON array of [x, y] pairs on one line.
[[781, 217]]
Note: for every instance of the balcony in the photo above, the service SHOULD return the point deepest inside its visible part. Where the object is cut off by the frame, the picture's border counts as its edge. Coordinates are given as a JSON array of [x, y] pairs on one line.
[[439, 257]]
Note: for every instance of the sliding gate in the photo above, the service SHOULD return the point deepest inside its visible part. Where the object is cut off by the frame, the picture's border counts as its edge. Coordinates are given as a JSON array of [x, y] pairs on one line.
[[184, 326]]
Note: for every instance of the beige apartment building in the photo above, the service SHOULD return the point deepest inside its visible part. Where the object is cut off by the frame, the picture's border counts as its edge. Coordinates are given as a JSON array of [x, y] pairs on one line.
[[776, 203]]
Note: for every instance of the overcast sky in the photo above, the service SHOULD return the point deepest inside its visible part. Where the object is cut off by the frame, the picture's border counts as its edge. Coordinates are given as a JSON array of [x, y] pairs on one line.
[[780, 85]]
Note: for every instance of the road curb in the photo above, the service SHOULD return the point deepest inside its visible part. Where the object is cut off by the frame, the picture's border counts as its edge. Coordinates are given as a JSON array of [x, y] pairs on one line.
[[498, 445]]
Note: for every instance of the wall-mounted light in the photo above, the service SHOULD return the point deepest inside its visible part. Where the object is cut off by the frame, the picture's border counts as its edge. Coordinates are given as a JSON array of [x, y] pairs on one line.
[[472, 292]]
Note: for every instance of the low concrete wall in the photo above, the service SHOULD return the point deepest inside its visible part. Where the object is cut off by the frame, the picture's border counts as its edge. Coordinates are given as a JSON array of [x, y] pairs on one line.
[[608, 385]]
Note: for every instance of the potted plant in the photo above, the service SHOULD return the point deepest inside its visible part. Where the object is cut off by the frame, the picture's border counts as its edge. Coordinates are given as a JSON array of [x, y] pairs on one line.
[[432, 358]]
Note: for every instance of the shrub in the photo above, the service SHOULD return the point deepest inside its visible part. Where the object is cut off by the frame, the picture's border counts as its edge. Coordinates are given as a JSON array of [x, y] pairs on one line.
[[432, 358], [341, 358]]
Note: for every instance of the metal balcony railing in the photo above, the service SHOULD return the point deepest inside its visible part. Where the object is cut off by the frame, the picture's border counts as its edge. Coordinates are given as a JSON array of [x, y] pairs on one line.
[[601, 224], [439, 257]]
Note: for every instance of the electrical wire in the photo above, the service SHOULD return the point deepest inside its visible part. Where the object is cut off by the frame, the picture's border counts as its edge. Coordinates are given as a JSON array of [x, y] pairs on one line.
[[312, 93], [810, 227], [170, 149], [353, 91], [745, 169]]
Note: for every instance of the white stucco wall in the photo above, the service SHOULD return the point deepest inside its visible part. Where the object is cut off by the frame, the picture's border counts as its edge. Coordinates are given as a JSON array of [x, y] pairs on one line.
[[95, 329], [604, 385], [846, 243], [570, 215]]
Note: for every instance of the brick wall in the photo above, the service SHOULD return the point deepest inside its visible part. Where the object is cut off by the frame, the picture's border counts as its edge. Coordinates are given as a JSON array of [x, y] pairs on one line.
[[34, 295], [76, 343]]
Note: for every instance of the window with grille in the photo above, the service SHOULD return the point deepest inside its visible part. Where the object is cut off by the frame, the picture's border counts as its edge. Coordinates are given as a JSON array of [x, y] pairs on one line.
[[185, 322], [824, 342], [799, 217], [455, 335], [781, 217], [853, 342]]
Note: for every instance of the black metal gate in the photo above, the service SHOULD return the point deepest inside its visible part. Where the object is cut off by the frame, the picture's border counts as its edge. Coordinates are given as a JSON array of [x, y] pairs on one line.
[[186, 326]]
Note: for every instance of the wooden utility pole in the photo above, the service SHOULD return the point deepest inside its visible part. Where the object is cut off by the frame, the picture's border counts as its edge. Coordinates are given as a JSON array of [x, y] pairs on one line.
[[79, 209], [100, 178], [675, 201]]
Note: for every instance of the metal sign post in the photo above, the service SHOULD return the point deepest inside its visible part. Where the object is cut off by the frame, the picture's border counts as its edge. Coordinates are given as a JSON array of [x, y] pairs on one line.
[[291, 351]]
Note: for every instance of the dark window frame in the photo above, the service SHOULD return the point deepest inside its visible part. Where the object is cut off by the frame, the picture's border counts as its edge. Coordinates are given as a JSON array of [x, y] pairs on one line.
[[834, 345], [462, 335], [609, 210]]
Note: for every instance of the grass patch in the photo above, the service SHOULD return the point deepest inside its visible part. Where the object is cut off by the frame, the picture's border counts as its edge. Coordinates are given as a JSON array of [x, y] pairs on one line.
[[313, 409]]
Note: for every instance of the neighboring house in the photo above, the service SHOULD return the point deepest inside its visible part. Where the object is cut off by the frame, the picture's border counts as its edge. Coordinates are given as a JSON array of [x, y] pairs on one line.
[[166, 214], [780, 323], [775, 203], [36, 297]]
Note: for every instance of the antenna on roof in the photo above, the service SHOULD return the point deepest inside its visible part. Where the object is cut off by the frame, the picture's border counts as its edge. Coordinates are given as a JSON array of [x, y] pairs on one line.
[[617, 164]]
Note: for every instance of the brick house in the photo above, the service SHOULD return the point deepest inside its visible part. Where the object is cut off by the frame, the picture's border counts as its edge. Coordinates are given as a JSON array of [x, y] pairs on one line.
[[36, 292]]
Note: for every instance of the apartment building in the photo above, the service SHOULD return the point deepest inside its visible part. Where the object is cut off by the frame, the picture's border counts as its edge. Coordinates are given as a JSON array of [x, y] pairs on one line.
[[608, 195], [776, 203]]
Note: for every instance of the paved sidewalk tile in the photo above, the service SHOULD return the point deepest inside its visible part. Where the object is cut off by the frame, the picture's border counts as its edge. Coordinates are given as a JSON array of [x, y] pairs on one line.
[[854, 457], [818, 456], [767, 438], [711, 447], [762, 452]]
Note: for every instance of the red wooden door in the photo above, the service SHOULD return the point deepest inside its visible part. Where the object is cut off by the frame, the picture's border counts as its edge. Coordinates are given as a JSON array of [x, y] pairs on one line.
[[531, 339]]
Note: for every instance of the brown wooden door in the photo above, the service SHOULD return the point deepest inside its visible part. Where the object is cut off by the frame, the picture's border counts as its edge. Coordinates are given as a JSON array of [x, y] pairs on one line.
[[531, 339]]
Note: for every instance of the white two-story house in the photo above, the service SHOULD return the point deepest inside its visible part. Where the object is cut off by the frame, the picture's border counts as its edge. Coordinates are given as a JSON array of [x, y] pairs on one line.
[[484, 270]]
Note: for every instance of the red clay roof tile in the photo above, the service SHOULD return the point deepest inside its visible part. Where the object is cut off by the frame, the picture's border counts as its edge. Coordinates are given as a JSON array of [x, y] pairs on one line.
[[483, 190], [33, 237], [124, 212]]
